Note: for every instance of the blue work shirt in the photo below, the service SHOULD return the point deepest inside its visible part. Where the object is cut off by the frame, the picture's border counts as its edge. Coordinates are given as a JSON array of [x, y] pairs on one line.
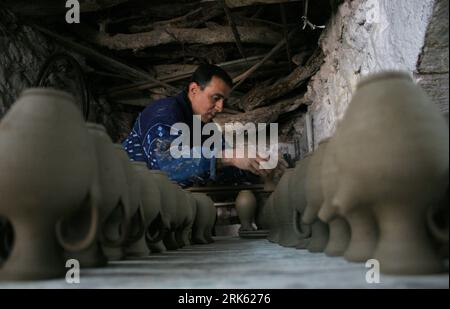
[[150, 141]]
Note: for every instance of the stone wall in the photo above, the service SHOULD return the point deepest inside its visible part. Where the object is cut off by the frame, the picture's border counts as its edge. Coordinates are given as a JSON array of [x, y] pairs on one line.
[[22, 53], [432, 69], [367, 36]]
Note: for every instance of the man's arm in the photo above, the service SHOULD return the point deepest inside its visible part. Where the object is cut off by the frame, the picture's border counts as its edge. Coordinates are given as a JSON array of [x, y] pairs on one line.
[[185, 171]]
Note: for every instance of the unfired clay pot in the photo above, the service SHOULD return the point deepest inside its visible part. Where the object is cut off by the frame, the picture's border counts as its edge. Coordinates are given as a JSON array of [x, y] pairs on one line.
[[157, 247], [438, 224], [269, 214], [168, 207], [246, 209], [134, 195], [364, 235], [339, 239], [314, 199], [284, 211], [113, 199], [339, 228], [297, 197], [313, 186], [260, 219], [211, 222], [6, 239], [394, 161], [329, 179], [319, 236], [202, 222], [127, 227], [189, 208], [39, 185], [173, 239], [151, 207]]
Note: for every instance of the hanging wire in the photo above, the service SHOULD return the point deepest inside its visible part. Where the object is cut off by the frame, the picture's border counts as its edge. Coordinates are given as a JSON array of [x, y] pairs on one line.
[[306, 22]]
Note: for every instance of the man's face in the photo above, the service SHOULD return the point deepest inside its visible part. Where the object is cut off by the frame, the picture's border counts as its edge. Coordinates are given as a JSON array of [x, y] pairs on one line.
[[210, 100]]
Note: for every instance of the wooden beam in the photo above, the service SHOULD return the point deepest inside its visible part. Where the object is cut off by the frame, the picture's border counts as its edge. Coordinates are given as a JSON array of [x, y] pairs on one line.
[[103, 60], [242, 77], [141, 102], [58, 7], [232, 24], [176, 77], [97, 5], [208, 36], [241, 3], [259, 97], [266, 114], [192, 19]]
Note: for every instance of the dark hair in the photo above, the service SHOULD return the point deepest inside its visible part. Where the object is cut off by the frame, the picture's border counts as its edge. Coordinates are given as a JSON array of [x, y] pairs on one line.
[[205, 72]]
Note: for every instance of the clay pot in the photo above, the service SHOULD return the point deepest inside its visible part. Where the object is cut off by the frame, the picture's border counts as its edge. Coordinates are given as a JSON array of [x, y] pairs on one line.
[[39, 185], [187, 234], [314, 199], [297, 198], [202, 218], [114, 254], [269, 214], [157, 247], [338, 226], [112, 204], [394, 161], [6, 239], [438, 225], [180, 218], [134, 213], [150, 201], [284, 211], [260, 220], [246, 209], [313, 187], [189, 209], [339, 237], [169, 206], [319, 237], [364, 235], [211, 220], [329, 179]]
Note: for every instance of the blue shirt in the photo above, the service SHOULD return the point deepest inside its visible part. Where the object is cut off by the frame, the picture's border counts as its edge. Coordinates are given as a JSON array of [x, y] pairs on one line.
[[150, 140]]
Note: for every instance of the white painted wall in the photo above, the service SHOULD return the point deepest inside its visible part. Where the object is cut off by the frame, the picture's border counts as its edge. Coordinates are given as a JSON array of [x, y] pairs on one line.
[[365, 36]]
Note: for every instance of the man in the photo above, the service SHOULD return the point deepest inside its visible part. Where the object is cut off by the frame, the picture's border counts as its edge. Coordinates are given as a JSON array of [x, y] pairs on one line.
[[150, 138]]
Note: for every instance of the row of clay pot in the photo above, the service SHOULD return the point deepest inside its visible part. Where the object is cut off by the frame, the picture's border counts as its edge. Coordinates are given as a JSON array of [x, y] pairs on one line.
[[376, 187], [69, 192]]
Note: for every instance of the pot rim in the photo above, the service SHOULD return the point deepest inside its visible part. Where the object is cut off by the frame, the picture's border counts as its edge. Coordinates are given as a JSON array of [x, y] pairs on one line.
[[158, 172], [47, 91], [139, 163], [118, 146], [383, 76], [95, 126]]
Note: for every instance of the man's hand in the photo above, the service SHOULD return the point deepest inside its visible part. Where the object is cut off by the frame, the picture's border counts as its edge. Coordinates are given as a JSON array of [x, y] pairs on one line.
[[247, 164], [253, 165], [281, 167]]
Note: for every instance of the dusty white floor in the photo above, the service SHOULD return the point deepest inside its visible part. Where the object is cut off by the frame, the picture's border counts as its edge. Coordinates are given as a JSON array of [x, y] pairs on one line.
[[236, 263]]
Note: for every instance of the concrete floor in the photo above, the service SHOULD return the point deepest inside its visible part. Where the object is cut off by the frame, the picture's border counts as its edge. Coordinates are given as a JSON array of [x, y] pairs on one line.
[[236, 263]]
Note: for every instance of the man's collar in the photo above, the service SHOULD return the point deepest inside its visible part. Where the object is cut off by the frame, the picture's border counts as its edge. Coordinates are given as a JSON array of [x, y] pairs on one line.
[[186, 104]]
